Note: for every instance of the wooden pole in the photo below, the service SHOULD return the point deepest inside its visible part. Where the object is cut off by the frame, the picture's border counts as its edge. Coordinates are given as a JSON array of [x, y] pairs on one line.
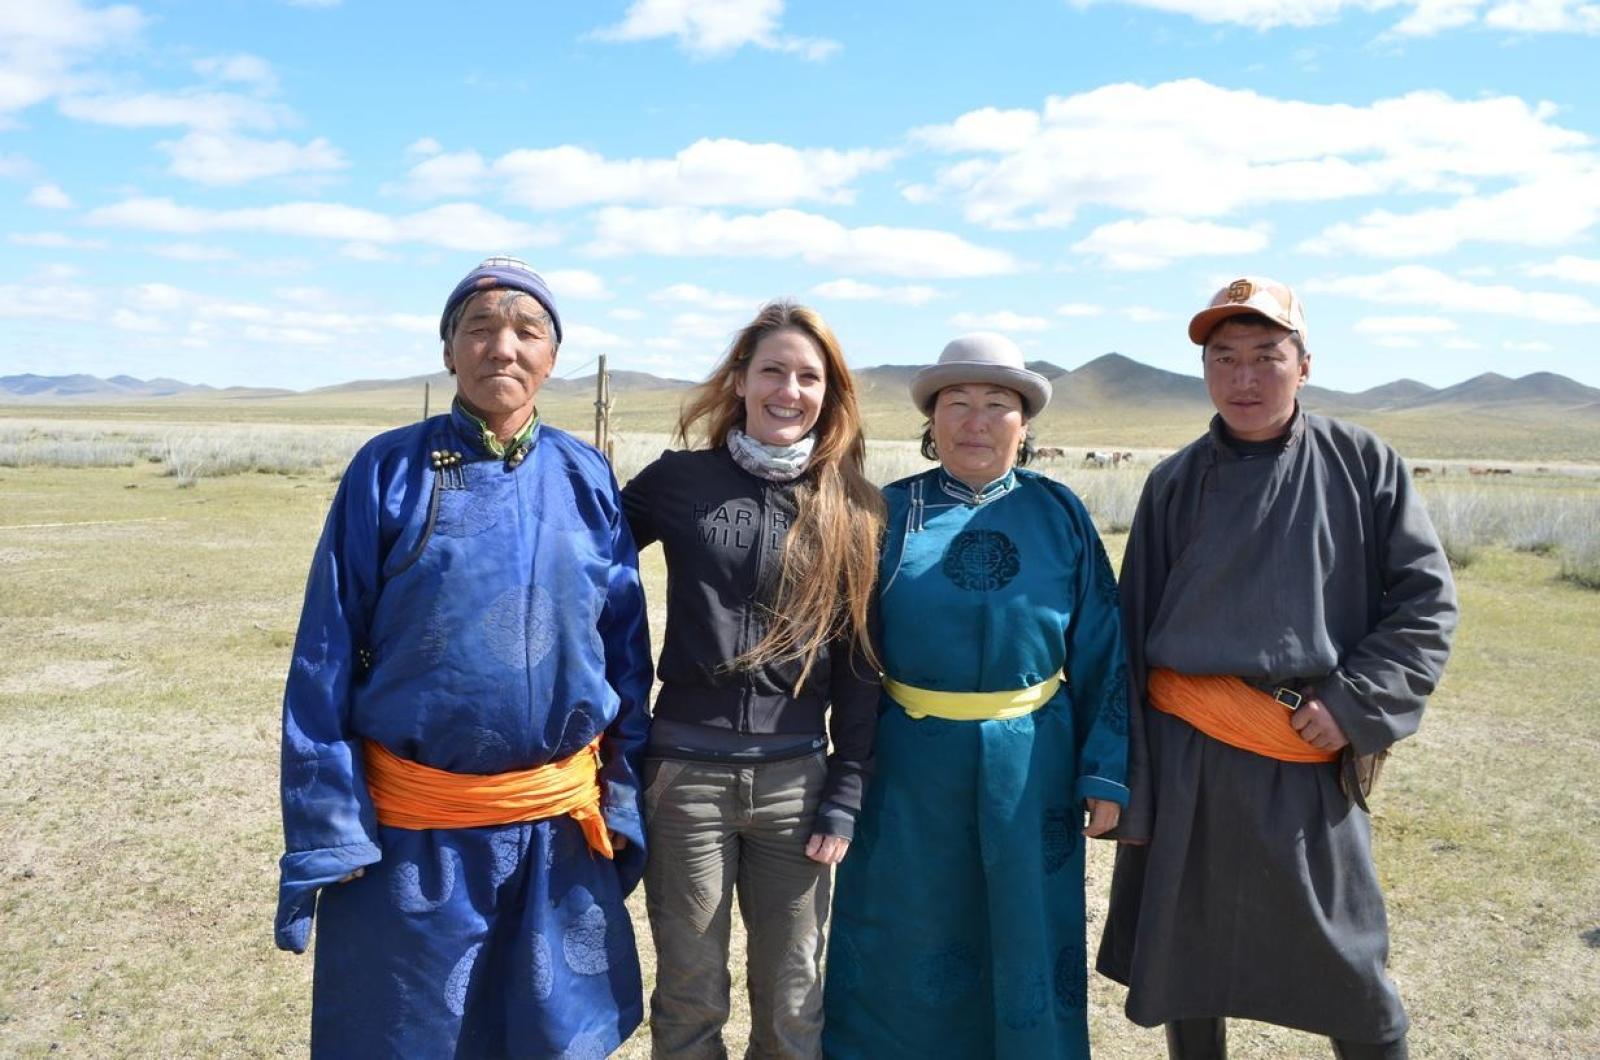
[[600, 405], [425, 385]]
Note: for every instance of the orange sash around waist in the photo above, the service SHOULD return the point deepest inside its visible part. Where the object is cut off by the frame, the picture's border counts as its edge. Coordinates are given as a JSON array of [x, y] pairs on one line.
[[409, 794], [1227, 709]]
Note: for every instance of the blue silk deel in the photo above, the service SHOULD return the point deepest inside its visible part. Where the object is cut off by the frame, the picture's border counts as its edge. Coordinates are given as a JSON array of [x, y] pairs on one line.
[[477, 615]]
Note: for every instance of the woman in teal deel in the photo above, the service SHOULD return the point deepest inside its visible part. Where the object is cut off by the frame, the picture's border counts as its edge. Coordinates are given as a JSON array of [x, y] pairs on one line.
[[959, 917]]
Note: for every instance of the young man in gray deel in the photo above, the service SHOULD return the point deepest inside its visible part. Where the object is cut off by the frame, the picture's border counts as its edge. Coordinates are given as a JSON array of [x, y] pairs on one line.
[[1290, 551]]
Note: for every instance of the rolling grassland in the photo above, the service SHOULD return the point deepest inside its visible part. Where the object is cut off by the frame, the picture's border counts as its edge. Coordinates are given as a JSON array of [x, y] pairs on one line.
[[147, 613]]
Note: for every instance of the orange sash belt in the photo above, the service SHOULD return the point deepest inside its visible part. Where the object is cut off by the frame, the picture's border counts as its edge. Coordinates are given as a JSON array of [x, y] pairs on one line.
[[1227, 709], [409, 794]]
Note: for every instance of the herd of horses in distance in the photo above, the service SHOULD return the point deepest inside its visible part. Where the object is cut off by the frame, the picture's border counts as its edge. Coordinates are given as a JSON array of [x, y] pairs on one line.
[[1109, 458]]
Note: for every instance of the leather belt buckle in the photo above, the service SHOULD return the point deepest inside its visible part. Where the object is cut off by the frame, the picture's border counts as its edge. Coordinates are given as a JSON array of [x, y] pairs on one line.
[[1289, 698]]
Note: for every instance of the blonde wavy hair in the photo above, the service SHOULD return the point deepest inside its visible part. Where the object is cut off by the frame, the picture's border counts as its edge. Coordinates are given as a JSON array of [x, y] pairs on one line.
[[829, 569]]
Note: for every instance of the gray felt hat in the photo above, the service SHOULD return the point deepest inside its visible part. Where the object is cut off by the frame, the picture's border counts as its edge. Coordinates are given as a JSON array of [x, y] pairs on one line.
[[981, 357]]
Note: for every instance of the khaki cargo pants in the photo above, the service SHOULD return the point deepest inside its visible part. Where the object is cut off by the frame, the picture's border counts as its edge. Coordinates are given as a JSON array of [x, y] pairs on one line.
[[717, 829]]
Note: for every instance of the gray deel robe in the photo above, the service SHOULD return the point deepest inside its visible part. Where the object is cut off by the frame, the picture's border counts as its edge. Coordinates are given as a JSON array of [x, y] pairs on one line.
[[1308, 562]]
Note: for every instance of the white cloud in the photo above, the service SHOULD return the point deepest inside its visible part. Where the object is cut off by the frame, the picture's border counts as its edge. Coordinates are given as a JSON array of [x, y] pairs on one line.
[[158, 297], [845, 289], [708, 172], [680, 232], [210, 158], [699, 328], [1405, 325], [1459, 342], [707, 28], [468, 226], [1422, 286], [73, 302], [1157, 241], [1143, 314], [43, 44], [457, 226], [197, 252], [627, 313], [128, 320], [1003, 320], [1398, 342], [242, 68], [15, 166], [425, 147], [692, 294], [575, 283], [1257, 14], [359, 251], [1424, 17], [1569, 268], [1544, 16], [1526, 346], [310, 295], [1547, 211], [987, 129], [1079, 309], [1173, 150], [588, 337], [206, 111], [425, 326], [442, 174], [53, 241], [49, 197]]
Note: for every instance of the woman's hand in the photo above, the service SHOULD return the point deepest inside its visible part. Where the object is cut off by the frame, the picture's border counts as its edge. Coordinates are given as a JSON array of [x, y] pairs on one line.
[[356, 875], [618, 840], [828, 849], [1103, 817]]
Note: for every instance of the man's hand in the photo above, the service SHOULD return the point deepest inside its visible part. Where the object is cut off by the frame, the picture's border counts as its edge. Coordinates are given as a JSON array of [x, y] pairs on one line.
[[618, 840], [1103, 817], [828, 849], [1314, 722], [356, 875]]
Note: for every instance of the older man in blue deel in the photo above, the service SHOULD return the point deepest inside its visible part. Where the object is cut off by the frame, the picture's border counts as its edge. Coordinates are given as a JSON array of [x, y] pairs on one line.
[[463, 722]]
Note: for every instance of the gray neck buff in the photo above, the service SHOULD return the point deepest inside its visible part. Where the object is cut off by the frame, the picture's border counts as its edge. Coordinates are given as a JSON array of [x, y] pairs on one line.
[[775, 463]]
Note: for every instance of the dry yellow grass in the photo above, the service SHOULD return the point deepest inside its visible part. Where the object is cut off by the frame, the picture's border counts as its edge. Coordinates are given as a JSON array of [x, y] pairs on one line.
[[147, 629]]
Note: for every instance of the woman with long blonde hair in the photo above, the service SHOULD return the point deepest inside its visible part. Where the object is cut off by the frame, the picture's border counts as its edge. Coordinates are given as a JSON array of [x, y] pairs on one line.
[[771, 537]]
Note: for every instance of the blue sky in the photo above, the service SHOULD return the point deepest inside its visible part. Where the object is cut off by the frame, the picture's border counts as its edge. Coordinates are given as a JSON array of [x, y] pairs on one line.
[[281, 193]]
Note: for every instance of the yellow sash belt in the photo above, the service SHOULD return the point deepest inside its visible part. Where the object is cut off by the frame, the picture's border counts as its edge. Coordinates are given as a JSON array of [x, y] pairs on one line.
[[971, 706]]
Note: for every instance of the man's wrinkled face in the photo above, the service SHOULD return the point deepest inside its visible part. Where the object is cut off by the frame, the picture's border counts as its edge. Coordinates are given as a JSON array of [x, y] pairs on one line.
[[1254, 371], [502, 351]]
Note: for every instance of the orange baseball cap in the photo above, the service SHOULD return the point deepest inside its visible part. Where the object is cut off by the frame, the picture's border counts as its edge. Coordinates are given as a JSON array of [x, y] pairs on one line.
[[1250, 294]]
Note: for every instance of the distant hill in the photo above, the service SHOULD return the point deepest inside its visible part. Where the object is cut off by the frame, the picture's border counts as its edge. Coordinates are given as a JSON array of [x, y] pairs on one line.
[[1105, 383], [1110, 401], [1110, 377], [1396, 393], [117, 388], [1115, 379], [92, 387], [1491, 388]]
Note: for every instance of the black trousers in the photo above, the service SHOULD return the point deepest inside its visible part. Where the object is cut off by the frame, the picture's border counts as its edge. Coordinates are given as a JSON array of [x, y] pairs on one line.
[[1206, 1038]]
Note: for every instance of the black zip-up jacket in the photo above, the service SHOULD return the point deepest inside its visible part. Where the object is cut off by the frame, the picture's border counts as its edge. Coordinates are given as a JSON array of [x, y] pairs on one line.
[[722, 529]]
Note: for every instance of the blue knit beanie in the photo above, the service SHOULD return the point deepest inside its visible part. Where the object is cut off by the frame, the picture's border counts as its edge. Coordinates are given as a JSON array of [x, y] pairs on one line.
[[500, 272]]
